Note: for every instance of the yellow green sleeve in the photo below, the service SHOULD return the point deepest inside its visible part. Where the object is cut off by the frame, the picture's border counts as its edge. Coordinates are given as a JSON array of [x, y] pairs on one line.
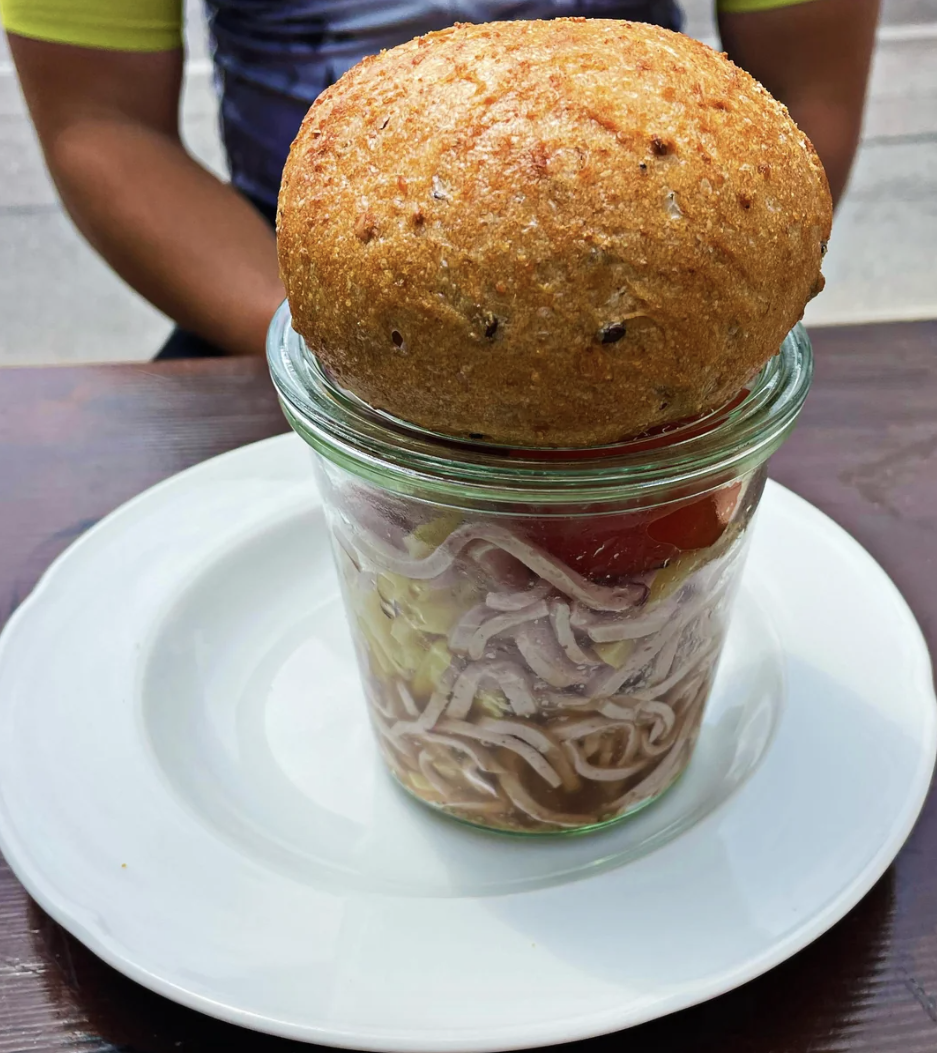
[[120, 25], [735, 6]]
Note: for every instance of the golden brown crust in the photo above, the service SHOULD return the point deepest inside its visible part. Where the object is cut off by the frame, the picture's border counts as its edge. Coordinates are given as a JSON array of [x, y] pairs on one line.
[[556, 233]]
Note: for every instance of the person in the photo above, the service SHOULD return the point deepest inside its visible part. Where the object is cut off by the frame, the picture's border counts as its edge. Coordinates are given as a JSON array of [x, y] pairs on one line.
[[102, 80]]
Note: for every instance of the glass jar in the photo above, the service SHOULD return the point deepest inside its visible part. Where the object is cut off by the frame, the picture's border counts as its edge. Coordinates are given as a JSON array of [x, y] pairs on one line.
[[537, 630]]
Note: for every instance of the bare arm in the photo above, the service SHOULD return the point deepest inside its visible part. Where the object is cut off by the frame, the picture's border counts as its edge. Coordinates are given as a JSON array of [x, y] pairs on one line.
[[815, 58], [189, 243]]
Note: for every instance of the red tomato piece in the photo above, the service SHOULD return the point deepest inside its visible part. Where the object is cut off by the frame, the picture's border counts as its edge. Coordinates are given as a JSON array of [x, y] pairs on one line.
[[617, 546], [690, 527], [604, 547]]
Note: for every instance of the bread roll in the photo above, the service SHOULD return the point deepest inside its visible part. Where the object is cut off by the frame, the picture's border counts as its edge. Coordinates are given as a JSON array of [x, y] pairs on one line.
[[555, 233]]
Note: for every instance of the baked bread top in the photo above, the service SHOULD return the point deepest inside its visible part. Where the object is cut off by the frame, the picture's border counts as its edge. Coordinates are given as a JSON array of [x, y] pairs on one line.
[[553, 233]]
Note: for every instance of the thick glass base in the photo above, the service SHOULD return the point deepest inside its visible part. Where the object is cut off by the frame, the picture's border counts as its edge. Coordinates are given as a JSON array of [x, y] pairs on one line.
[[545, 830]]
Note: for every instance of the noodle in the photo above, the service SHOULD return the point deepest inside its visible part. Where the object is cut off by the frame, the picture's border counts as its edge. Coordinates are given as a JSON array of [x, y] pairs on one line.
[[551, 702]]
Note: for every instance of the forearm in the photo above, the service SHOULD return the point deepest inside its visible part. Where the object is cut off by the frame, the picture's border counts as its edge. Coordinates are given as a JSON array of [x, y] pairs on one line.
[[815, 58], [834, 130], [183, 239]]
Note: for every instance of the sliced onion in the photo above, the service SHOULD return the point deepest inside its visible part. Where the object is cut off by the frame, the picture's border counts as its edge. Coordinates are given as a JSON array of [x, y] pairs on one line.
[[392, 560], [377, 701], [661, 713], [595, 774], [604, 628], [553, 570], [590, 726], [656, 734], [491, 808], [464, 691], [607, 681], [478, 782], [701, 659], [460, 635], [555, 703], [519, 598], [521, 799], [499, 567], [499, 623], [606, 749], [434, 710], [515, 684], [540, 740], [655, 782], [663, 664], [537, 737], [478, 755], [399, 745], [614, 709], [601, 597], [508, 676], [408, 701], [545, 657], [509, 742], [433, 777], [436, 706], [566, 638]]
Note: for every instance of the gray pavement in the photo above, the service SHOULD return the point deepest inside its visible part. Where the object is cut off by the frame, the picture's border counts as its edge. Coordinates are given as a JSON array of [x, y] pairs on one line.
[[60, 303]]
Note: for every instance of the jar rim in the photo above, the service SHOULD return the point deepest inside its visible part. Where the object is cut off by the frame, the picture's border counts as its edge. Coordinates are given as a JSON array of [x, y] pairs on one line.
[[403, 457]]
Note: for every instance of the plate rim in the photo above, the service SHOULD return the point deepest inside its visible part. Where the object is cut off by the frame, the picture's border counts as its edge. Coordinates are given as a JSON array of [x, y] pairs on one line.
[[515, 1036]]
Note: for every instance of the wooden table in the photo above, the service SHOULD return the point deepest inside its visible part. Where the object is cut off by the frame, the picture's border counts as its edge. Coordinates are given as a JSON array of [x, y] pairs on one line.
[[76, 442]]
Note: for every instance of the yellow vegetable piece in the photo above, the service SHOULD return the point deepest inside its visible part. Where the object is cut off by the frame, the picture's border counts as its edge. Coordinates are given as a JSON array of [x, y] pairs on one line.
[[427, 609], [437, 610], [616, 653], [390, 638], [432, 666], [668, 579], [406, 636], [420, 784], [397, 589], [493, 703], [447, 769], [427, 537]]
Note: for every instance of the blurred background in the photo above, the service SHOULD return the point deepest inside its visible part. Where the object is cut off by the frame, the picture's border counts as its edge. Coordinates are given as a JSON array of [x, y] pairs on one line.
[[60, 304]]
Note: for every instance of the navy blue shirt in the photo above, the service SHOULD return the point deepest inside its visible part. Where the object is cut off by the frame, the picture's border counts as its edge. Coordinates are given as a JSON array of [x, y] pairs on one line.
[[273, 58]]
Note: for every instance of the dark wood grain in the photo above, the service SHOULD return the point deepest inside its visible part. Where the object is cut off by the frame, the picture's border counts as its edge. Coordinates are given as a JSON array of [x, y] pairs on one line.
[[76, 442]]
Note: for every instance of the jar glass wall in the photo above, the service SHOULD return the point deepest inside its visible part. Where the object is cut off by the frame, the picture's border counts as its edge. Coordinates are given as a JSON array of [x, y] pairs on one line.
[[537, 630]]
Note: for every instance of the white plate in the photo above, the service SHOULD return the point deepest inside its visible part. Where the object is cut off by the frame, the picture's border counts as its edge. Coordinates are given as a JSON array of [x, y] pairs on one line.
[[187, 784]]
